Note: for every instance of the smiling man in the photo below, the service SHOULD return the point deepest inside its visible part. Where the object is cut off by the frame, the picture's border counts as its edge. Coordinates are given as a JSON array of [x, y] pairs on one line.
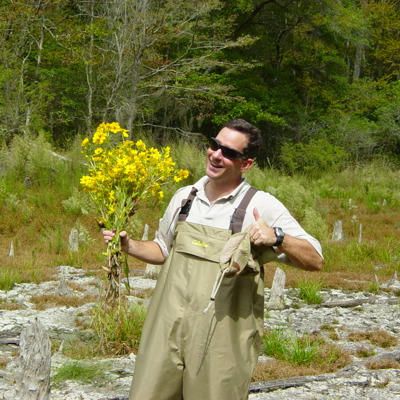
[[191, 348]]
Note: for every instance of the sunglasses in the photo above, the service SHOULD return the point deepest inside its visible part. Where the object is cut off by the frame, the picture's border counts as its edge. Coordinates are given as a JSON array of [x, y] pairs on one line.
[[227, 152]]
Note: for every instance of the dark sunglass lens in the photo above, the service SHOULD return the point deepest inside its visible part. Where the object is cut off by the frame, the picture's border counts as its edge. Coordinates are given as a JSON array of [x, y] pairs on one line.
[[213, 144], [227, 152], [230, 153]]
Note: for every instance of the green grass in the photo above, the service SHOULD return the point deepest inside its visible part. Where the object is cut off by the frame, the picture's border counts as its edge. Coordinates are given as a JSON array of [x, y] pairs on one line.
[[9, 278], [309, 291], [79, 371], [299, 350]]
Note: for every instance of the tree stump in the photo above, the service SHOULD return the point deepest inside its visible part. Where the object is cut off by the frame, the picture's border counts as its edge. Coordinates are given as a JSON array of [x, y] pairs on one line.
[[34, 364], [73, 240], [11, 252], [338, 231], [276, 300]]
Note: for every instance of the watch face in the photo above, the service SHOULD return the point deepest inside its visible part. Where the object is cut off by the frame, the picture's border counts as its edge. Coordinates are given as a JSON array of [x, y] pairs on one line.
[[279, 236], [279, 232]]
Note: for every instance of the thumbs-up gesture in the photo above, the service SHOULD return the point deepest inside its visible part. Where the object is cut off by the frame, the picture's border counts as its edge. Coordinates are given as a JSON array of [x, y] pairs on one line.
[[260, 233]]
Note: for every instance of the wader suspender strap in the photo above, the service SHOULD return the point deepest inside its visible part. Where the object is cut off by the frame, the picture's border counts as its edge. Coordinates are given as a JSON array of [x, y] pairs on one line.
[[239, 213], [237, 216], [186, 205]]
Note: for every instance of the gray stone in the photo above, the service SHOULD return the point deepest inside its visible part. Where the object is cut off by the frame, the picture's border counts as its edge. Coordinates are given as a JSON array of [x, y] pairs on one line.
[[276, 298]]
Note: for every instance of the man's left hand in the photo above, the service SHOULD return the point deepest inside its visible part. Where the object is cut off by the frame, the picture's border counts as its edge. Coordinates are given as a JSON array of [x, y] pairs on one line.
[[260, 233]]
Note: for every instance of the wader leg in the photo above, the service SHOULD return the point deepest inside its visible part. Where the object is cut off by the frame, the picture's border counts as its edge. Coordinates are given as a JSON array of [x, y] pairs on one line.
[[224, 343]]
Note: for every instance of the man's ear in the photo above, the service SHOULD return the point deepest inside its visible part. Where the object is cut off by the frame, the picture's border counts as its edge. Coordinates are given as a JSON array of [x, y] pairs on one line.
[[246, 164]]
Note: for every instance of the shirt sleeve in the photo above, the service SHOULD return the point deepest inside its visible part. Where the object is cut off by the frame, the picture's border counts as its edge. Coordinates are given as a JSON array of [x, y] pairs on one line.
[[166, 228], [275, 214]]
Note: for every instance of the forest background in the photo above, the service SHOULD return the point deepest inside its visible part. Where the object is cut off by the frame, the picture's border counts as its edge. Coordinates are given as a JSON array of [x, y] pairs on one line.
[[321, 78]]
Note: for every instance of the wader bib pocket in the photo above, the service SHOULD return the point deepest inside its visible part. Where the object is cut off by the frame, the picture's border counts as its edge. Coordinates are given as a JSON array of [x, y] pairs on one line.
[[195, 243]]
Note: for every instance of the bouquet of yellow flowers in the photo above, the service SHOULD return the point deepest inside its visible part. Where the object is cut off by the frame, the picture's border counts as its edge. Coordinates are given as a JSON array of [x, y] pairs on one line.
[[121, 173]]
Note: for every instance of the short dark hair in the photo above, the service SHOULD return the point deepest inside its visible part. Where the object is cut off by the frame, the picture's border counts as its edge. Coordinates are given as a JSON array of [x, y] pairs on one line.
[[253, 134]]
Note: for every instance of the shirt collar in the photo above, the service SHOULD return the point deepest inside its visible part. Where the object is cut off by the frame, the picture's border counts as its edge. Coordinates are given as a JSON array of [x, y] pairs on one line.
[[201, 183]]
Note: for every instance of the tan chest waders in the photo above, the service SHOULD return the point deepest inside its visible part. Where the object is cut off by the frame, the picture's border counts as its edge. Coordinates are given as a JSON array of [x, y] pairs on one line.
[[184, 352]]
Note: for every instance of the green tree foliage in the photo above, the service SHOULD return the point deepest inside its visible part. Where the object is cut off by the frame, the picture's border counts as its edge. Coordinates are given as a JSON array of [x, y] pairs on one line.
[[315, 72]]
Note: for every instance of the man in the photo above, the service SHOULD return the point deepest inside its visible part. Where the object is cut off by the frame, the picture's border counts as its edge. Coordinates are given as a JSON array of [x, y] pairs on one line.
[[192, 349]]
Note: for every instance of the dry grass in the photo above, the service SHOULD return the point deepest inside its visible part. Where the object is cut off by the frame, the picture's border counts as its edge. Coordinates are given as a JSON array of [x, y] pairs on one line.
[[76, 286], [377, 337], [298, 356], [350, 265], [10, 306], [386, 363], [79, 349], [45, 301], [4, 361], [39, 228], [357, 281], [142, 293], [364, 352]]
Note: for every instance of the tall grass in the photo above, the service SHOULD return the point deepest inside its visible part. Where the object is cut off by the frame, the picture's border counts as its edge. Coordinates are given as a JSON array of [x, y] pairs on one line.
[[119, 329]]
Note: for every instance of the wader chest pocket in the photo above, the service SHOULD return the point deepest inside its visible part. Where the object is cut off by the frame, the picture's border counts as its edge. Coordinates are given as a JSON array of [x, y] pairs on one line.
[[201, 246]]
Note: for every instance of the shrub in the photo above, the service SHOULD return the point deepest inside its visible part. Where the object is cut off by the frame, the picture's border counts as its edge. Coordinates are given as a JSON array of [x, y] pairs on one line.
[[315, 224], [312, 158]]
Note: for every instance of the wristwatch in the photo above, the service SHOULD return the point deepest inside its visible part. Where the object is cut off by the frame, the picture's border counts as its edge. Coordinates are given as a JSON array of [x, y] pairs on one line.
[[279, 236]]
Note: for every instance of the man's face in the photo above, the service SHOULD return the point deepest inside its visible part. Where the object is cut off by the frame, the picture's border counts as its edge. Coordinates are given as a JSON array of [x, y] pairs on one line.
[[224, 169]]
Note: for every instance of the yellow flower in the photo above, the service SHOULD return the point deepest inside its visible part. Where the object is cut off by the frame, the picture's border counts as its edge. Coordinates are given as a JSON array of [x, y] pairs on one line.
[[182, 174], [122, 172], [141, 145], [99, 137], [111, 209]]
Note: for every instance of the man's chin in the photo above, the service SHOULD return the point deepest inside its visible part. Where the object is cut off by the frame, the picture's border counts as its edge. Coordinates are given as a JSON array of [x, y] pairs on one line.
[[213, 174]]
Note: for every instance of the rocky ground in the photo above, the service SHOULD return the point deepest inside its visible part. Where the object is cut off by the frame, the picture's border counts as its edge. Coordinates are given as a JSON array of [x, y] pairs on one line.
[[341, 313]]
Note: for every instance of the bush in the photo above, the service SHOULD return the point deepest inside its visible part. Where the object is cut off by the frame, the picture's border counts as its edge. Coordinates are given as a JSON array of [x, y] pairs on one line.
[[312, 158]]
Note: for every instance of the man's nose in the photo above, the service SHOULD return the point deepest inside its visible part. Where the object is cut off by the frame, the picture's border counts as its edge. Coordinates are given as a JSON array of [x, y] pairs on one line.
[[218, 153]]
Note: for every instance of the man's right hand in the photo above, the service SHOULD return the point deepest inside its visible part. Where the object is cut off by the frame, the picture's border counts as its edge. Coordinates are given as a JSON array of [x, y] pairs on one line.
[[148, 250], [108, 236]]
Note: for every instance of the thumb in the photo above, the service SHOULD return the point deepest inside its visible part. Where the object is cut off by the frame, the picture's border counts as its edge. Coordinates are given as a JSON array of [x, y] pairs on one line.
[[123, 234], [256, 214]]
